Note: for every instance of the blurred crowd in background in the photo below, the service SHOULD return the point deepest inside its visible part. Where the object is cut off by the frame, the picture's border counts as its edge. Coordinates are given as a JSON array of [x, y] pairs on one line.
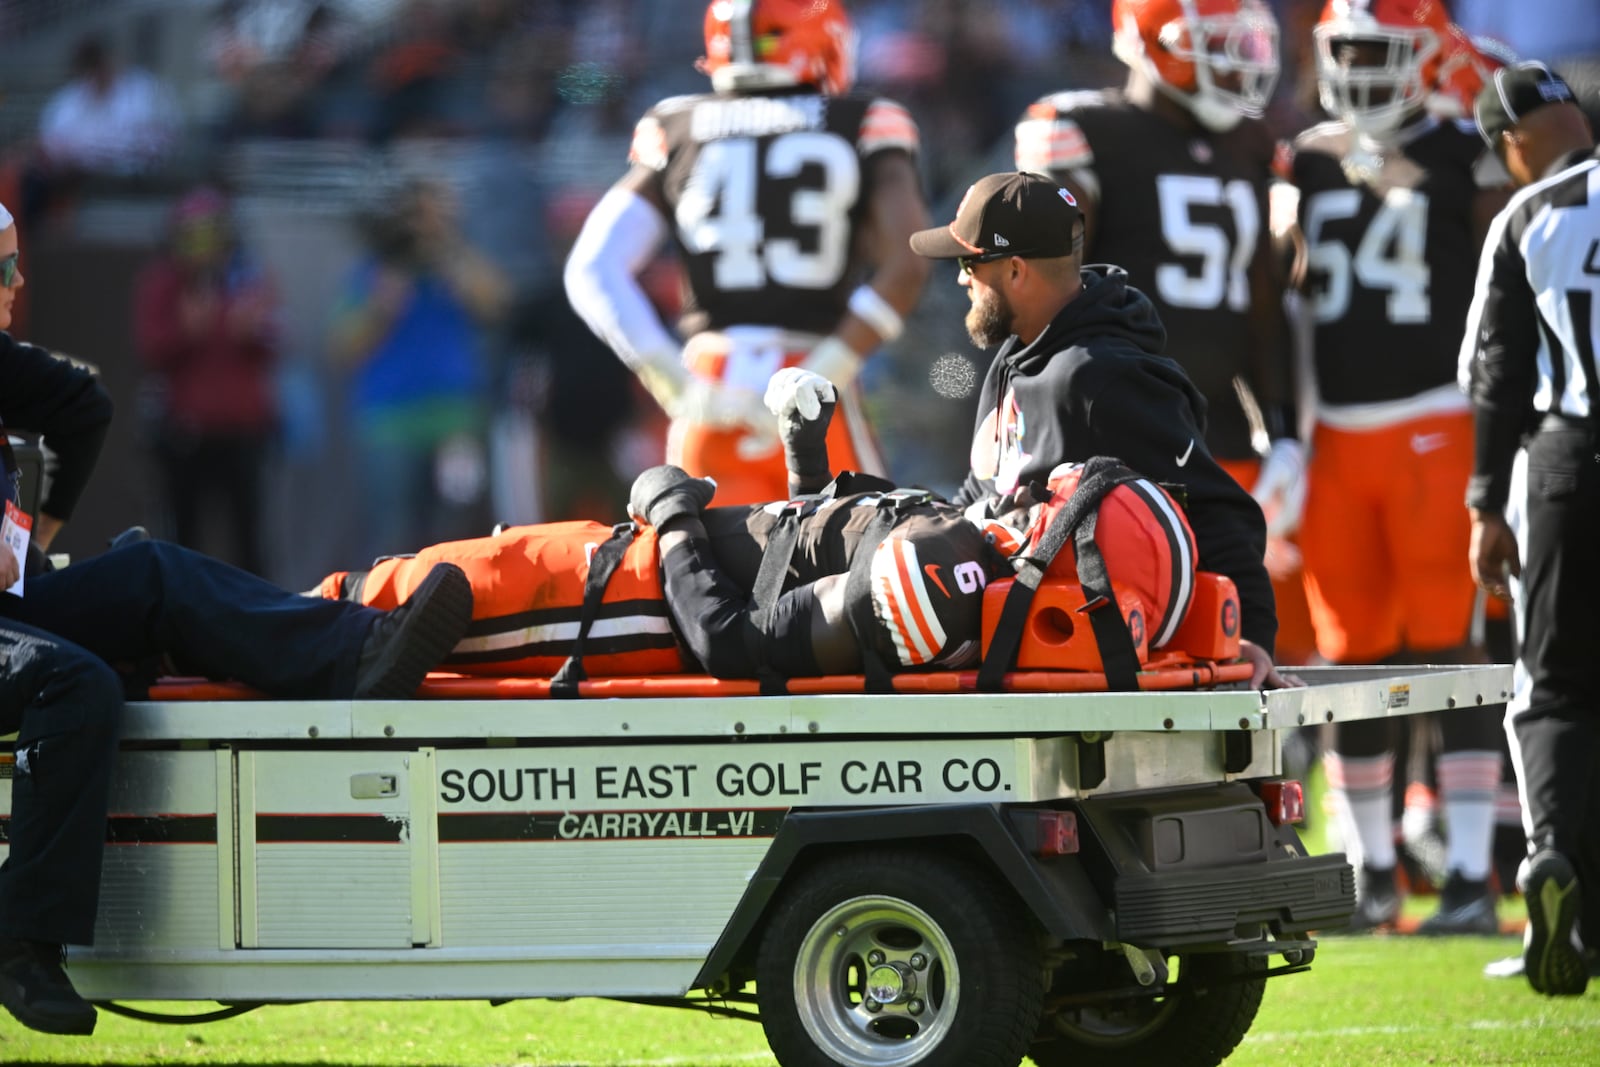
[[357, 211]]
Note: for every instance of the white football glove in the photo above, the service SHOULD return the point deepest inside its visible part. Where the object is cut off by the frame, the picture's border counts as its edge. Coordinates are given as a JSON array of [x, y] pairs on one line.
[[835, 361], [1281, 487], [797, 391], [691, 398]]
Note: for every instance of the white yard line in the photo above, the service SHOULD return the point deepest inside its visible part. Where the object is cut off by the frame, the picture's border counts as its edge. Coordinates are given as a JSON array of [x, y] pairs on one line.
[[1270, 1036]]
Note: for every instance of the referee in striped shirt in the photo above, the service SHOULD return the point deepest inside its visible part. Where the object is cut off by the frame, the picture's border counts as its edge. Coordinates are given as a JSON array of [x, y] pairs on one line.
[[1530, 343]]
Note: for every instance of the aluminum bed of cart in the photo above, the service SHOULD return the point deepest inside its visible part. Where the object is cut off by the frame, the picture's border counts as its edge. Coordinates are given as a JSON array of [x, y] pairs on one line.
[[955, 879]]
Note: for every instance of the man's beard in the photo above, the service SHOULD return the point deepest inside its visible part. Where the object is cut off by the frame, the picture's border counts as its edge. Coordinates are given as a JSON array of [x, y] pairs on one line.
[[989, 319]]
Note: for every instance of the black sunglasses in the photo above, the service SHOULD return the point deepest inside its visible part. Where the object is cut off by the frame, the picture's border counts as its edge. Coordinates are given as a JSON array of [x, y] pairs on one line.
[[966, 263], [8, 270]]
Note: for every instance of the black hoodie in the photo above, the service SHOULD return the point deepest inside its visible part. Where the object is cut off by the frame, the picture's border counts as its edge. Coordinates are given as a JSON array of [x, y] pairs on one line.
[[1094, 384]]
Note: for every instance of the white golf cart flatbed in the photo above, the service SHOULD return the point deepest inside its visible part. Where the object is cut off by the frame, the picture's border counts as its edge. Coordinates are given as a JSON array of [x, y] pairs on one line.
[[938, 879]]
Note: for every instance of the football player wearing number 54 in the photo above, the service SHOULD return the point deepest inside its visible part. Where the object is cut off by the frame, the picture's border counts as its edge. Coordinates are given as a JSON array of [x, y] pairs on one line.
[[789, 201], [1393, 216]]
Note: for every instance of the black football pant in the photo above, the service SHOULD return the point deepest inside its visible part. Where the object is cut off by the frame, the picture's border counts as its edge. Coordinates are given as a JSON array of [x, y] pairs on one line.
[[65, 705], [1558, 734]]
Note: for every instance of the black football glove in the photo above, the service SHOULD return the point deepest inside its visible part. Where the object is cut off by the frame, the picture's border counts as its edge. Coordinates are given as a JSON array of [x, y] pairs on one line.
[[663, 493]]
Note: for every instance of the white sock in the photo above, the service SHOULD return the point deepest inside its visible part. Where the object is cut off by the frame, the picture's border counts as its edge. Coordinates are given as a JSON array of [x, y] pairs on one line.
[[1359, 788], [1469, 783]]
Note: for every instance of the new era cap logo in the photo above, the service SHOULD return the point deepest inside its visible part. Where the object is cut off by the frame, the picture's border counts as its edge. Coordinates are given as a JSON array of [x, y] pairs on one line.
[[1001, 242], [1067, 197]]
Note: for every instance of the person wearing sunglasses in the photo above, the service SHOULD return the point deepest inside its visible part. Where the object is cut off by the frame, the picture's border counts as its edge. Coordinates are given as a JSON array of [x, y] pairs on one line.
[[1080, 373], [61, 630]]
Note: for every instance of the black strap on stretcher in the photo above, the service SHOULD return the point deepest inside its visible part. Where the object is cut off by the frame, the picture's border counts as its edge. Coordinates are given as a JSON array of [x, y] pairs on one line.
[[768, 588], [781, 543], [602, 565], [1118, 656]]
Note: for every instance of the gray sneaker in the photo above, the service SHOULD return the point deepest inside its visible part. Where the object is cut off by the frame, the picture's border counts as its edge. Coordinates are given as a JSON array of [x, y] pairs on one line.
[[1552, 964], [1465, 907]]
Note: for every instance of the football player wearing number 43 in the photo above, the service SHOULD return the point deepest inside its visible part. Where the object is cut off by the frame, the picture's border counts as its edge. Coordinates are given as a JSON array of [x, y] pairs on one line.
[[1393, 218], [1171, 173], [779, 189]]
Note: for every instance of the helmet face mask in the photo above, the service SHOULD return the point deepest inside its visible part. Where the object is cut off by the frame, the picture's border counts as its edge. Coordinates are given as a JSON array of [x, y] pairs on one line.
[[1375, 60], [771, 44], [1218, 58]]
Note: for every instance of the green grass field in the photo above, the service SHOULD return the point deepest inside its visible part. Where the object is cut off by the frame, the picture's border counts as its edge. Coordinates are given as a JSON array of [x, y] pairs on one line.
[[1367, 1001]]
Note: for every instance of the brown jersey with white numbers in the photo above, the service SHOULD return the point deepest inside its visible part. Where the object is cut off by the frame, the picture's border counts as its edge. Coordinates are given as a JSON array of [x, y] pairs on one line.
[[1184, 213], [1391, 256], [766, 193]]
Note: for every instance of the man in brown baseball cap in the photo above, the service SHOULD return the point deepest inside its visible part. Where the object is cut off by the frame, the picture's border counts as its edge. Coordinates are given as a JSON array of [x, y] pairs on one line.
[[1018, 214], [1002, 217], [1079, 373]]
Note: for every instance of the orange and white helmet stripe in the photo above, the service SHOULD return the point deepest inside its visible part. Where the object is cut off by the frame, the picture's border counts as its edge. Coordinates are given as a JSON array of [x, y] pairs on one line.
[[901, 601]]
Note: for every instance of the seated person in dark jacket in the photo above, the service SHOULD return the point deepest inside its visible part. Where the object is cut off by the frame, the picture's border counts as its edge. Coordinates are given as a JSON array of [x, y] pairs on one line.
[[60, 631], [1079, 373]]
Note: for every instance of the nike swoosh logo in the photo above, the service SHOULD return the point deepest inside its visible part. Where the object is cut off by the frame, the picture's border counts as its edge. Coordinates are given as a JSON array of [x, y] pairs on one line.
[[1423, 443], [932, 571], [1186, 453]]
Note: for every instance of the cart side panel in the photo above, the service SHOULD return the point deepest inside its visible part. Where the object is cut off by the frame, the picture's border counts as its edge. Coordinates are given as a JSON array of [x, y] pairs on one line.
[[166, 884], [325, 849]]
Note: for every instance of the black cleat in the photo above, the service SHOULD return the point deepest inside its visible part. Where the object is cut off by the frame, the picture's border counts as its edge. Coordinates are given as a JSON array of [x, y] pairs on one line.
[[1465, 907], [415, 637], [1377, 901], [35, 989], [1552, 964]]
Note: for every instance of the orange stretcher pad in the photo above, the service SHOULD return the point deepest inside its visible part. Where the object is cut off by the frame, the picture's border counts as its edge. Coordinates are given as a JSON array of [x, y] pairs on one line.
[[1058, 654]]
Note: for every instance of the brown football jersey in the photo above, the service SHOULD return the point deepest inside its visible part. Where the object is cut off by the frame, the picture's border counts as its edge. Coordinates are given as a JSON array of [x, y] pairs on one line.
[[766, 193], [1183, 213]]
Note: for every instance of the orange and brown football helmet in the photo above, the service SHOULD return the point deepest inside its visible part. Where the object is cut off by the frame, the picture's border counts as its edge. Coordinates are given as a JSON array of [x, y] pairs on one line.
[[1148, 545], [1404, 41], [766, 44], [1219, 58]]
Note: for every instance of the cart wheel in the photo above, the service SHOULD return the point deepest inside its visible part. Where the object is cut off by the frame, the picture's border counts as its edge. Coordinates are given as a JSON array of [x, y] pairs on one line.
[[896, 959], [1213, 1001]]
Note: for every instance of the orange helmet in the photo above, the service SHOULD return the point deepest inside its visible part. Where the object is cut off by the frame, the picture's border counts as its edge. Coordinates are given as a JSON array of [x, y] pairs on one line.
[[1145, 539], [1375, 98], [766, 44], [1465, 65], [1219, 58]]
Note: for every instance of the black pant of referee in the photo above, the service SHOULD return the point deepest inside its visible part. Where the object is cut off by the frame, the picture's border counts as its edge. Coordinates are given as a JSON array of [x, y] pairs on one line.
[[1558, 735]]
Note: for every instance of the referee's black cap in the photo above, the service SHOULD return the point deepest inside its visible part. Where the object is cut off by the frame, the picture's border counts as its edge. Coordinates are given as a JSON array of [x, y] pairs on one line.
[[1512, 93]]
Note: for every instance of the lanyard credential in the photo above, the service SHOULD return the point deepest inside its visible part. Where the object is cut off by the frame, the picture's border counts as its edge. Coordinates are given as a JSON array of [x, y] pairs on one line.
[[17, 524]]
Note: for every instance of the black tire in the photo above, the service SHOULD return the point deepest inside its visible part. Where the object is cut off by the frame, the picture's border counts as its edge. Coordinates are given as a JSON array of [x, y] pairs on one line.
[[1213, 1003], [961, 975]]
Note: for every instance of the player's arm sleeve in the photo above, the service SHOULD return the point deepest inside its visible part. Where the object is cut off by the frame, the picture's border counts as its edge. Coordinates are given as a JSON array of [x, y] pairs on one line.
[[618, 240], [1500, 349], [716, 618]]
